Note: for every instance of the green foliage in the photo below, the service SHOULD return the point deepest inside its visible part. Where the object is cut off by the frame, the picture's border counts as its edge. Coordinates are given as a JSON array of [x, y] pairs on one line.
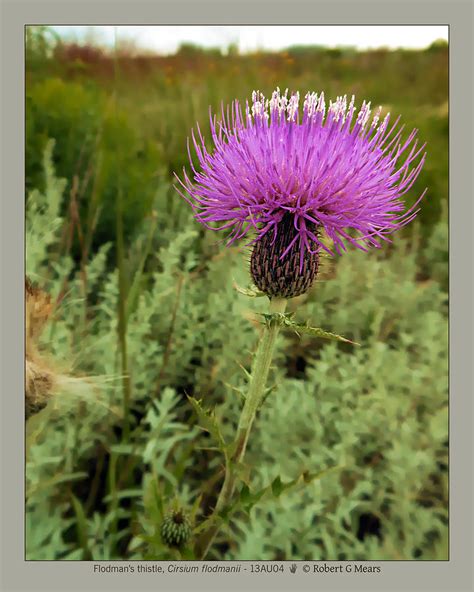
[[348, 456], [70, 113], [43, 218], [89, 133]]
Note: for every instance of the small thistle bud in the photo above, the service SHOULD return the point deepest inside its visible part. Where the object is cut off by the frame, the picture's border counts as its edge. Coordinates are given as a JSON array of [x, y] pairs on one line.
[[288, 276], [175, 529]]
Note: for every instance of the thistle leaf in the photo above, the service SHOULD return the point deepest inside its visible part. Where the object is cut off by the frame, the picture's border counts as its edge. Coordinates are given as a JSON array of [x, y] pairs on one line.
[[281, 318], [208, 422], [285, 319], [247, 499], [317, 332], [251, 291]]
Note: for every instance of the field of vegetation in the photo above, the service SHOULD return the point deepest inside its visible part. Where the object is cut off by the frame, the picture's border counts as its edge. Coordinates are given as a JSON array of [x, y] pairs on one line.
[[143, 314]]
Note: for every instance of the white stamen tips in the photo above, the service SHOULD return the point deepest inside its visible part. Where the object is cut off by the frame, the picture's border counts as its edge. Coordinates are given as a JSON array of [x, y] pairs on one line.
[[292, 108], [338, 108], [275, 100], [259, 106], [280, 106], [310, 104], [364, 114], [321, 108], [376, 118], [351, 106], [384, 123], [278, 103]]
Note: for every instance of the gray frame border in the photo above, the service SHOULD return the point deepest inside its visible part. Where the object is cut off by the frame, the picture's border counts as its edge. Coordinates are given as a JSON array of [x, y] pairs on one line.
[[455, 574]]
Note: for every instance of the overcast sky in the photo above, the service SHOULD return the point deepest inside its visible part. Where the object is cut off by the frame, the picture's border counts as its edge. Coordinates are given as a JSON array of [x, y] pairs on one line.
[[166, 39]]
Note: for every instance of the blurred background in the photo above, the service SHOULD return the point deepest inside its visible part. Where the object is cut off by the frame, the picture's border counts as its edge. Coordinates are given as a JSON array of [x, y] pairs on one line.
[[144, 311]]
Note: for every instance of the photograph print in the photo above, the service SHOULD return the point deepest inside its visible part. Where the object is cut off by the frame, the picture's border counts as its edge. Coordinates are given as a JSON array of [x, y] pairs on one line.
[[236, 293]]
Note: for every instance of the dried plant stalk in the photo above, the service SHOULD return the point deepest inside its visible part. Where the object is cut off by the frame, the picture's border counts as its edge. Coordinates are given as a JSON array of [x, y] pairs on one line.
[[39, 377]]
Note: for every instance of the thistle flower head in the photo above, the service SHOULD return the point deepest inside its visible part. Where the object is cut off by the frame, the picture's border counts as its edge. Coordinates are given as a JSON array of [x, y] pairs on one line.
[[327, 168]]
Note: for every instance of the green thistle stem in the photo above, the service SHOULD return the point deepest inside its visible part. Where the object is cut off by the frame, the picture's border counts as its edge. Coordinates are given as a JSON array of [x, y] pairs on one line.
[[253, 400], [260, 370]]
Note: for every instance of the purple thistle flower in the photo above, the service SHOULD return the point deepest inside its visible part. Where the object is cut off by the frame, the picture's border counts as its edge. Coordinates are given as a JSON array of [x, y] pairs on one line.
[[328, 170]]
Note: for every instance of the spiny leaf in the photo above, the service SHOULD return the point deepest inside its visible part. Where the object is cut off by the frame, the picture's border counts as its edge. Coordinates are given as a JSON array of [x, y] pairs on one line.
[[285, 320], [208, 423], [247, 499], [318, 332], [282, 318], [251, 291]]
